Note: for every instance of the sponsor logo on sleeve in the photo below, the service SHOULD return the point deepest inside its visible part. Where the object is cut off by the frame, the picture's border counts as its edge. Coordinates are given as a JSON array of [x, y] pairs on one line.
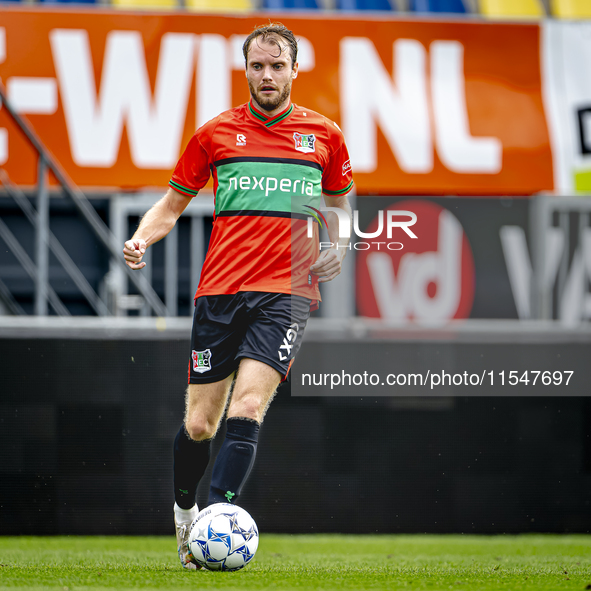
[[346, 167]]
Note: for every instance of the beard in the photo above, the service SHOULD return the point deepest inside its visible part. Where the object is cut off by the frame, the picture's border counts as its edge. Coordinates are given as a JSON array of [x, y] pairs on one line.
[[269, 103]]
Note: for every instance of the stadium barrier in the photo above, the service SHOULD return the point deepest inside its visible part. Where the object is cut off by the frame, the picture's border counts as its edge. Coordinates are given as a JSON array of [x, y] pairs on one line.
[[89, 412]]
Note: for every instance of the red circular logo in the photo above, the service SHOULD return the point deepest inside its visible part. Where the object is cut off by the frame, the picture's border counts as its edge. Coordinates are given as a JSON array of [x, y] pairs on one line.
[[428, 278]]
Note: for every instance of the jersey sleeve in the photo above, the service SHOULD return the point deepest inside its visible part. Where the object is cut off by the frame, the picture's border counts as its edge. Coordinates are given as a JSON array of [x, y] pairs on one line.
[[192, 171], [337, 178]]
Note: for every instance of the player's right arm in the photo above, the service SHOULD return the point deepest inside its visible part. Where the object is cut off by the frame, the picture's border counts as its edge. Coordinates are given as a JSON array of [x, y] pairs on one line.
[[155, 225], [190, 174]]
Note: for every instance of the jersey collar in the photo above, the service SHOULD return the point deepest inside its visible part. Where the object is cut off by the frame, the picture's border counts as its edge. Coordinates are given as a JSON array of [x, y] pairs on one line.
[[269, 121]]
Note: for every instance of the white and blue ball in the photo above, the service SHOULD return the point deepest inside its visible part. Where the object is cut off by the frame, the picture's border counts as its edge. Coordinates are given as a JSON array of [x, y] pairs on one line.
[[223, 537]]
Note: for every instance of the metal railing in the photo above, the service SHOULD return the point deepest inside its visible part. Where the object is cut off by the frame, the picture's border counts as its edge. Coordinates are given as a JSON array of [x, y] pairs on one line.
[[38, 270], [122, 207]]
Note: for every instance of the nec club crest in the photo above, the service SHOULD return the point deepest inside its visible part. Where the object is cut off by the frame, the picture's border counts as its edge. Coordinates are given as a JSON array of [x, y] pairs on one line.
[[305, 143], [201, 360]]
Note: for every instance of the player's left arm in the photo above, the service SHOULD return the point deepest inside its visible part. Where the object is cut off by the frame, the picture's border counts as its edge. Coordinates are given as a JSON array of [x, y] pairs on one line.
[[329, 264], [337, 182]]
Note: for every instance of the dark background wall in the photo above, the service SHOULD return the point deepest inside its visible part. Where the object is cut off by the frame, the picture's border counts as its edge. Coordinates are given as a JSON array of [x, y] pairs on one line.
[[86, 429]]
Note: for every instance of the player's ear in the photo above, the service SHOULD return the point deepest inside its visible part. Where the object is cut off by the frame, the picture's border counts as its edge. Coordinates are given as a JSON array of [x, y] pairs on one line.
[[294, 71]]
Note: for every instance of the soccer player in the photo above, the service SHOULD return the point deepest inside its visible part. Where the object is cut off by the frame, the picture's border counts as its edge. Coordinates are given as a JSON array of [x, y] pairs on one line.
[[271, 160]]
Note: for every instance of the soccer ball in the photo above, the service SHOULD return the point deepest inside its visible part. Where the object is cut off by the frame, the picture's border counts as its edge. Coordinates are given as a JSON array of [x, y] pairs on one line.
[[223, 537]]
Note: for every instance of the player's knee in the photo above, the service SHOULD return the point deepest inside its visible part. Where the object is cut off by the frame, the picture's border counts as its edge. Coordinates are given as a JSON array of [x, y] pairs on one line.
[[200, 429], [249, 408]]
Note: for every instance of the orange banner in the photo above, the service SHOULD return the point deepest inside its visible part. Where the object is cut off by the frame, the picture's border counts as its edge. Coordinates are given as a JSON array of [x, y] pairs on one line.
[[427, 107]]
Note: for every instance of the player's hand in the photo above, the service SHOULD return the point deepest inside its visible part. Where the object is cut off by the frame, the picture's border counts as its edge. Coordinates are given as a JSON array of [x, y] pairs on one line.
[[133, 251], [328, 265]]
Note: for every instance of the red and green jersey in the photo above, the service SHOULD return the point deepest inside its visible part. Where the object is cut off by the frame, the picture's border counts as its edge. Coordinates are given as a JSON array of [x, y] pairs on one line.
[[267, 173]]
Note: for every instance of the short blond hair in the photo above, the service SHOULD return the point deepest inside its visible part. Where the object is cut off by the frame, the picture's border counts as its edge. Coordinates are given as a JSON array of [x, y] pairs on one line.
[[269, 34]]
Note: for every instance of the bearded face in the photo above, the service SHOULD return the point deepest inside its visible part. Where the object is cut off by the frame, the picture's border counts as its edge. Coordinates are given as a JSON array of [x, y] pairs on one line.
[[268, 96], [269, 73]]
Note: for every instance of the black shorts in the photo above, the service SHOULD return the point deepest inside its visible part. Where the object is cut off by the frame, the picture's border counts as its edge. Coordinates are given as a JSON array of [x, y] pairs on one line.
[[267, 327]]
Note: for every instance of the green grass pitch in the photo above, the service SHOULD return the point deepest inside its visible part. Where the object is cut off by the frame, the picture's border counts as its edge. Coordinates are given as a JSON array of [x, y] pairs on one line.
[[319, 562]]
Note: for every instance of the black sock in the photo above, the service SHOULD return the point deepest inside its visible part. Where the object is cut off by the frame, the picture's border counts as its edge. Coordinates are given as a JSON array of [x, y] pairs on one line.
[[190, 461], [235, 460]]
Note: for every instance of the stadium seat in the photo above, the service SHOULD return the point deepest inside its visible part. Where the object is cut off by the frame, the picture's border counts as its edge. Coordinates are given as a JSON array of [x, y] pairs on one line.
[[364, 5], [146, 4], [571, 8], [437, 6], [219, 6], [290, 4], [512, 8]]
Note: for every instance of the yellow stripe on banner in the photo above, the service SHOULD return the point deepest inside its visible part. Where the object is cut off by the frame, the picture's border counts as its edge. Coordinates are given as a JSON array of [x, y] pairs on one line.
[[219, 5], [583, 181], [571, 8], [147, 4], [512, 8]]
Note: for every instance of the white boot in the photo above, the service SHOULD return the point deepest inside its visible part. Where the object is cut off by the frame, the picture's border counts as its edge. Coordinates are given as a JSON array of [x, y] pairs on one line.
[[182, 523]]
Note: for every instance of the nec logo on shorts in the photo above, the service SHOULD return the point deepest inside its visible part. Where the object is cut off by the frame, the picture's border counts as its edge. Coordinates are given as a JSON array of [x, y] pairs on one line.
[[201, 360], [288, 342]]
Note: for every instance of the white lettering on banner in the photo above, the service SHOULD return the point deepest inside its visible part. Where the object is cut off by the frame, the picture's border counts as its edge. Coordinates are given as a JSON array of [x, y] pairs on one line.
[[214, 71], [32, 95], [95, 125], [457, 149], [574, 301], [2, 44], [236, 42], [3, 131], [572, 305], [519, 268], [405, 295], [154, 126], [3, 145], [369, 98]]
